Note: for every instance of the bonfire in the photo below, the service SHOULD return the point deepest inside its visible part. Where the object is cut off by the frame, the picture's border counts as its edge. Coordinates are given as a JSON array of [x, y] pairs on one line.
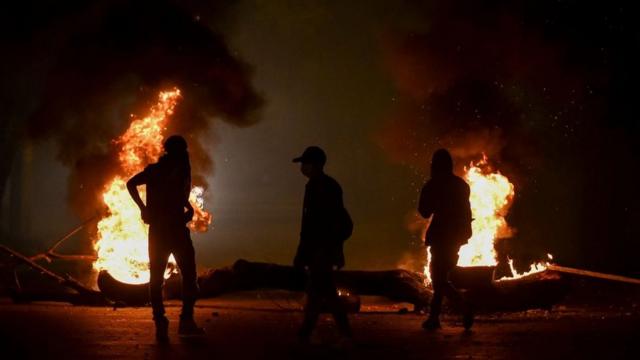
[[122, 237], [490, 199]]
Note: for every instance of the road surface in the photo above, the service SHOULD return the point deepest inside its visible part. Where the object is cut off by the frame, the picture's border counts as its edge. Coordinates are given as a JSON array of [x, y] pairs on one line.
[[262, 325]]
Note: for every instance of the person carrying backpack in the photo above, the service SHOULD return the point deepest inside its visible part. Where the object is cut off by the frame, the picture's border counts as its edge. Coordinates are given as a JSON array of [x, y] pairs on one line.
[[326, 224]]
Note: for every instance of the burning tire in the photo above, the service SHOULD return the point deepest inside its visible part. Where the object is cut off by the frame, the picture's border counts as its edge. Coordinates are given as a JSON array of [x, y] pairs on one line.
[[119, 292]]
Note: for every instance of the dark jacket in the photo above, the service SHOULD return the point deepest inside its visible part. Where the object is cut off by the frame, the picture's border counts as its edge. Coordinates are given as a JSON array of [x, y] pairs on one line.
[[446, 197], [168, 184], [325, 224]]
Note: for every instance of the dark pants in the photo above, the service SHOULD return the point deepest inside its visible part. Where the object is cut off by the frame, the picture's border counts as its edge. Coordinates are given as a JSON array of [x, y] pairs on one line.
[[442, 262], [321, 294], [165, 240]]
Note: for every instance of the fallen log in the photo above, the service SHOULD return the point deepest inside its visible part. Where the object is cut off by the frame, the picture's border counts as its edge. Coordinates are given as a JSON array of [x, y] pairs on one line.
[[472, 277], [397, 285], [541, 290], [594, 274], [536, 291]]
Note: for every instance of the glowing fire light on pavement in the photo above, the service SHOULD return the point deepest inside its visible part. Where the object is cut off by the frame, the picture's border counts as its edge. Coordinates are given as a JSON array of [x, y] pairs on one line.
[[122, 237]]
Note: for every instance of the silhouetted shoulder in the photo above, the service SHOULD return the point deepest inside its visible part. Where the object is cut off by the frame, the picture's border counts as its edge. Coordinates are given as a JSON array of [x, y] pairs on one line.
[[428, 184], [324, 183], [151, 169], [332, 183], [461, 183]]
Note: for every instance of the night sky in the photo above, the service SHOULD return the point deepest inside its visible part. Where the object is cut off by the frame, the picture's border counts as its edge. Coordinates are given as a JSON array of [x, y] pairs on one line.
[[547, 89]]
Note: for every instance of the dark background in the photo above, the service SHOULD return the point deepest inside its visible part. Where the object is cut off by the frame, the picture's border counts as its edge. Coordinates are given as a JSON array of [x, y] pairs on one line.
[[547, 89]]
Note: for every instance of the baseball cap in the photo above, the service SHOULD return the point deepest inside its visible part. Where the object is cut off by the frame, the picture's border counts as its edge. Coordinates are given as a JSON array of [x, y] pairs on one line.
[[312, 155]]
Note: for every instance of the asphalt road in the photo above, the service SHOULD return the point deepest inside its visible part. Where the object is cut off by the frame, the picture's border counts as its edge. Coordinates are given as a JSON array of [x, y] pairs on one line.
[[263, 326]]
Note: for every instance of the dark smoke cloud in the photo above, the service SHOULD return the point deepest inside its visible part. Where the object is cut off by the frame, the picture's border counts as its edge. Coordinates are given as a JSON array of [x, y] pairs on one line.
[[480, 80], [85, 66], [539, 89]]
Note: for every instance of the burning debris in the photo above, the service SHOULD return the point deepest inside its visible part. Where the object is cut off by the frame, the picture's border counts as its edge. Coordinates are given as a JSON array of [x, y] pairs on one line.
[[122, 257], [504, 79], [491, 197], [75, 85], [121, 242]]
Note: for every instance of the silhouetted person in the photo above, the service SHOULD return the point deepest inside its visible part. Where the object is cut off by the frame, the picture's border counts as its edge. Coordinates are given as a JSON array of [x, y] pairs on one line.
[[167, 212], [445, 197], [325, 226]]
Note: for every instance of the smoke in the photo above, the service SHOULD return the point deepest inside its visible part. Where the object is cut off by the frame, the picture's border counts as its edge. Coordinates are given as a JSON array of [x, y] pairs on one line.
[[479, 80], [539, 91], [97, 62]]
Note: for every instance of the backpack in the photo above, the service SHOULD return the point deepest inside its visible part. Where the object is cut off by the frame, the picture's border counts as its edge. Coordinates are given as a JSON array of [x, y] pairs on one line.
[[344, 225]]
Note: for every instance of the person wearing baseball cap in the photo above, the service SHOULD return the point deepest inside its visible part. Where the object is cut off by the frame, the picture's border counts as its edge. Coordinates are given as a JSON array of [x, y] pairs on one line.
[[312, 155], [326, 224]]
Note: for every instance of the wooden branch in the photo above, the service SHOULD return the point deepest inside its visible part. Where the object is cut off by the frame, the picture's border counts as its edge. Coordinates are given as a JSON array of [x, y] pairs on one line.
[[51, 253], [86, 295], [536, 291], [593, 274]]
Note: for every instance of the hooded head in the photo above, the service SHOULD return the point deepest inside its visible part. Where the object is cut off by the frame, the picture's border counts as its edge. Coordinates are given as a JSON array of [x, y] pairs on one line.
[[175, 144], [441, 163], [176, 154]]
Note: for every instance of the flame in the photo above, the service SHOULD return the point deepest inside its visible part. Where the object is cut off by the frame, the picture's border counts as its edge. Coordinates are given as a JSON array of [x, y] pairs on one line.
[[427, 273], [537, 267], [201, 218], [121, 243], [490, 199]]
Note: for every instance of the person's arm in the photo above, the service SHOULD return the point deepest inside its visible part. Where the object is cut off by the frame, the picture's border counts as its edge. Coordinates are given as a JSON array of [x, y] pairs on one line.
[[186, 188], [188, 216], [326, 210], [467, 203], [301, 258], [132, 185], [425, 204]]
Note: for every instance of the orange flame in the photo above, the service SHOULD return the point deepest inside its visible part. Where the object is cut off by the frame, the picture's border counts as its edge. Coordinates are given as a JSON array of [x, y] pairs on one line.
[[427, 272], [490, 199], [201, 218], [121, 242]]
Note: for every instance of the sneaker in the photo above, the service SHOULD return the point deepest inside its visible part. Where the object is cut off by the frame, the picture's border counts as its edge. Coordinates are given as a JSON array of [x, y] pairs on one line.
[[188, 328], [162, 329], [431, 324]]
